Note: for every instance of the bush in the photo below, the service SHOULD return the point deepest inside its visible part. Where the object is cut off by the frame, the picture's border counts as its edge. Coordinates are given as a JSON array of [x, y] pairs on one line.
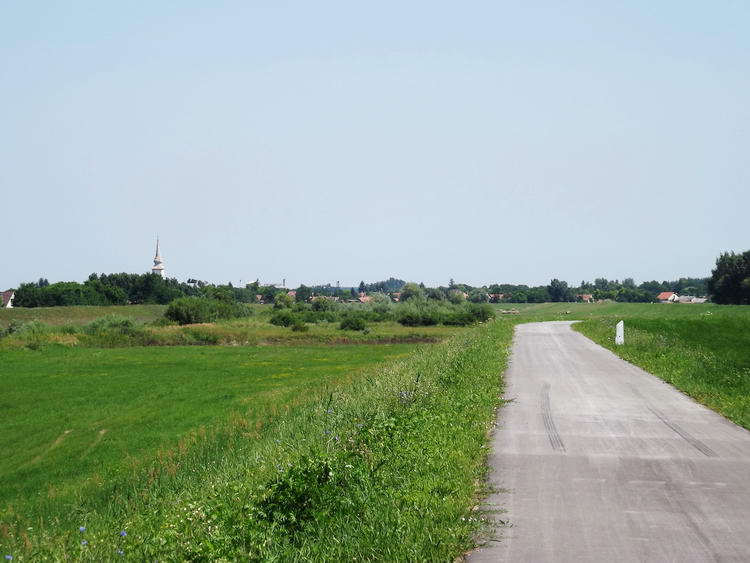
[[423, 313], [353, 322], [284, 317], [112, 324], [320, 304], [192, 310], [298, 325], [282, 301]]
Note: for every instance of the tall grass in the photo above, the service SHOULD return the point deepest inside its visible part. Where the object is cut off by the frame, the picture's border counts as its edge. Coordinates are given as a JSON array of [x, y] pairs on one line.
[[383, 469]]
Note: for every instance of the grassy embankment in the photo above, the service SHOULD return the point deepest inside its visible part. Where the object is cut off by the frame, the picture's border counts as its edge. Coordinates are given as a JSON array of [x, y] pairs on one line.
[[383, 467]]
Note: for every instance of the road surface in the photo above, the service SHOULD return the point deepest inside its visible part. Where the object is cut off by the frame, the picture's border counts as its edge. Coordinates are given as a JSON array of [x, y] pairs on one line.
[[596, 460]]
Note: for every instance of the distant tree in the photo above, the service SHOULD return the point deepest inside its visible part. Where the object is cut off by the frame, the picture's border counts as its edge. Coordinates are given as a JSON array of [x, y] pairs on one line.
[[436, 294], [362, 287], [268, 293], [303, 293], [559, 291], [320, 304], [478, 296], [411, 291], [653, 287], [730, 279], [519, 297], [456, 296], [537, 295], [282, 300]]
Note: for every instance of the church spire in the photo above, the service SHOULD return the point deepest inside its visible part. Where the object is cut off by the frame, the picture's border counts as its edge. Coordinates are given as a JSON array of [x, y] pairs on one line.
[[158, 268]]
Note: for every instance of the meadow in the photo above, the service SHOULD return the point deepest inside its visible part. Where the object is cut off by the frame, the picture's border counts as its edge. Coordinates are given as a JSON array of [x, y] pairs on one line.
[[79, 315], [270, 444], [83, 415], [250, 452]]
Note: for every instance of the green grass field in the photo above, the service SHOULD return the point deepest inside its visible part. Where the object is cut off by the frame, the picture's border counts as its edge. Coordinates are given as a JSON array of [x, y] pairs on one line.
[[276, 442], [378, 446], [79, 315], [69, 416]]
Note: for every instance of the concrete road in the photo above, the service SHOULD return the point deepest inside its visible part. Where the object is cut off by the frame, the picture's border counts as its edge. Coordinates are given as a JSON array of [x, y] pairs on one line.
[[600, 461]]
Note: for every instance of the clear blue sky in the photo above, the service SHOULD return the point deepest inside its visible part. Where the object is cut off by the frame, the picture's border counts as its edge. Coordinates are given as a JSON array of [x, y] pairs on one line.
[[325, 141]]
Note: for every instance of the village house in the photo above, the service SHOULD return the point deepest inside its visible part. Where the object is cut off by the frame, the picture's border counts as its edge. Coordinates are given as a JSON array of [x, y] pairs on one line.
[[7, 299], [667, 297], [364, 298], [586, 297]]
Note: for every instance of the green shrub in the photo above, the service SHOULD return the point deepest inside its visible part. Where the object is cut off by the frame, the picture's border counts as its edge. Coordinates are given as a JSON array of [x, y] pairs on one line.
[[111, 324], [282, 301], [353, 322], [320, 304], [192, 310], [298, 325], [283, 317]]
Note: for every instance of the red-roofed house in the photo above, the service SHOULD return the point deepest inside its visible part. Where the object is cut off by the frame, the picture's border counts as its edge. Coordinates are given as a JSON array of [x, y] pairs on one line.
[[364, 298], [586, 297], [667, 297], [7, 299]]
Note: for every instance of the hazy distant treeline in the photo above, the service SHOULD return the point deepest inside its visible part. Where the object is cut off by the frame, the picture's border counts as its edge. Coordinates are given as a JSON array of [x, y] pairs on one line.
[[123, 288]]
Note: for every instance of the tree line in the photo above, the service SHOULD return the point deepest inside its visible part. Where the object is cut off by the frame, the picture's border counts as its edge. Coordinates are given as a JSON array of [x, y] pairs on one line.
[[729, 283]]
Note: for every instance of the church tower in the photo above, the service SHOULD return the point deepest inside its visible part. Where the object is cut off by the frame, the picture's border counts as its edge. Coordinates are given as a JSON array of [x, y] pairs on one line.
[[158, 268]]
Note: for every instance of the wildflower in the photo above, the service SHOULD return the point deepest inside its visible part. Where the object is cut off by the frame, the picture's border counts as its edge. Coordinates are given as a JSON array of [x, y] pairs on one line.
[[82, 529], [329, 411], [120, 552], [84, 542], [123, 533], [337, 438], [9, 557]]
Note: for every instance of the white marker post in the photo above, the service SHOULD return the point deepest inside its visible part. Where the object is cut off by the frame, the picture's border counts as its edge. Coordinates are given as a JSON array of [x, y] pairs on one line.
[[620, 333]]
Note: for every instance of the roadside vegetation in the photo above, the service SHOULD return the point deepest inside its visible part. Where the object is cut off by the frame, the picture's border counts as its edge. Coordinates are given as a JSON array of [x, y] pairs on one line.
[[382, 465], [85, 416]]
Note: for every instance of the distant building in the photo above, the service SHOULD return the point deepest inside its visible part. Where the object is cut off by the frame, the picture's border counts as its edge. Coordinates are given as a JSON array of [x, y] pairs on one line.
[[699, 300], [667, 297], [686, 299], [158, 268], [364, 298], [586, 297], [7, 299]]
